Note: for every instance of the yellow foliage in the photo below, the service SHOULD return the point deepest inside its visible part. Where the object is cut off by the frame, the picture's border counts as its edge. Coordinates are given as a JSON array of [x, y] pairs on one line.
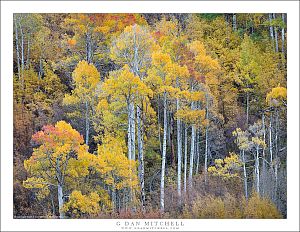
[[117, 170], [193, 117], [277, 96], [79, 204], [261, 208], [86, 77], [134, 38], [125, 84], [242, 139], [230, 207], [60, 146], [259, 142], [226, 168]]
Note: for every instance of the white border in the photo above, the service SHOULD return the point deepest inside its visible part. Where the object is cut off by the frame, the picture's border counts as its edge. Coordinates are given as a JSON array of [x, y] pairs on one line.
[[7, 10]]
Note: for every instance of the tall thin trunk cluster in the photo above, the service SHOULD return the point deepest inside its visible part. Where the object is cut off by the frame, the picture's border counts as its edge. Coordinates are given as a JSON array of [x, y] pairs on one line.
[[274, 33], [164, 150], [20, 48], [89, 47], [140, 128], [179, 154]]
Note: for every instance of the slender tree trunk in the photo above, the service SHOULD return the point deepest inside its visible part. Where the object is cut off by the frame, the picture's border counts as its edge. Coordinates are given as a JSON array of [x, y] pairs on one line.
[[40, 68], [276, 158], [132, 127], [206, 141], [162, 180], [129, 142], [59, 190], [158, 120], [179, 154], [271, 27], [17, 50], [227, 27], [270, 141], [185, 156], [190, 183], [52, 204], [257, 181], [197, 151], [271, 30], [114, 198], [169, 131], [89, 47], [28, 52], [276, 35], [276, 132], [276, 178], [283, 35], [245, 175], [247, 108], [234, 24], [22, 55], [172, 141], [264, 156], [60, 201], [87, 123], [141, 156]]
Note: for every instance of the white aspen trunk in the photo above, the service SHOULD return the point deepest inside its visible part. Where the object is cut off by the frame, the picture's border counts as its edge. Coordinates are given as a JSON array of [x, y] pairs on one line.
[[197, 151], [88, 47], [192, 157], [270, 141], [276, 132], [162, 180], [60, 201], [129, 130], [234, 25], [59, 190], [185, 156], [206, 142], [22, 55], [245, 175], [247, 108], [114, 198], [141, 156], [271, 31], [276, 179], [28, 52], [276, 158], [132, 127], [39, 74], [271, 28], [283, 35], [192, 154], [264, 156], [158, 120], [257, 182], [276, 35], [17, 49], [87, 123], [169, 129], [91, 49], [179, 154]]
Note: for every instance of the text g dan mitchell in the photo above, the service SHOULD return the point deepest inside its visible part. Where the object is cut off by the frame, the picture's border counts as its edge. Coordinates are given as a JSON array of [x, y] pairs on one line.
[[143, 224]]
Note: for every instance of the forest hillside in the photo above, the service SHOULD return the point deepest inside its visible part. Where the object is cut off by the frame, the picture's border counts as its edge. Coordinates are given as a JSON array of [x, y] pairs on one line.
[[150, 115]]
